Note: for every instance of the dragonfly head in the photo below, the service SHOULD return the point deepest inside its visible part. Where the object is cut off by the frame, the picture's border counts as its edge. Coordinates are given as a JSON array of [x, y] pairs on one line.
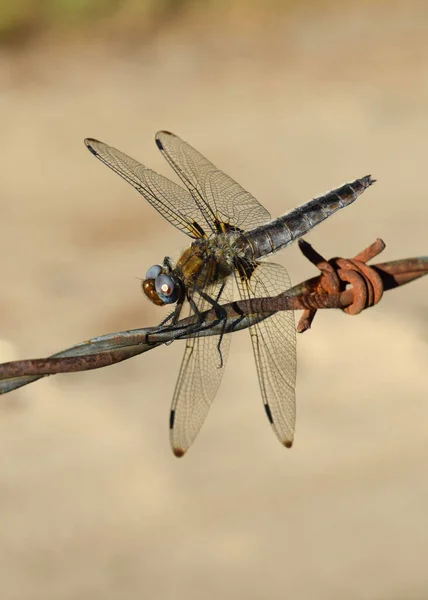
[[161, 286]]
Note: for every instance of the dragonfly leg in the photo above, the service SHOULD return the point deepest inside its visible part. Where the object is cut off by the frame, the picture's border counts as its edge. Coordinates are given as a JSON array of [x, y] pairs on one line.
[[220, 339], [172, 318], [220, 311], [221, 316], [195, 309], [198, 314]]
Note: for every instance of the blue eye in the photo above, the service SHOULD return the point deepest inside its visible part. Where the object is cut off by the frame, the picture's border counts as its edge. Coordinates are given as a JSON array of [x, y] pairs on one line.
[[164, 285], [166, 289], [153, 272]]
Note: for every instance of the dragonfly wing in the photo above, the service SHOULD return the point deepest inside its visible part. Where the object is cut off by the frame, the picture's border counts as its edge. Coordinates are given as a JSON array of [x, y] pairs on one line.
[[199, 378], [274, 346], [172, 201], [217, 195]]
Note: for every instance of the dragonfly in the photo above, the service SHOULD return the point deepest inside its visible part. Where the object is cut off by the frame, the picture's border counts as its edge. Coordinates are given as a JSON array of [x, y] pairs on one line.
[[231, 233]]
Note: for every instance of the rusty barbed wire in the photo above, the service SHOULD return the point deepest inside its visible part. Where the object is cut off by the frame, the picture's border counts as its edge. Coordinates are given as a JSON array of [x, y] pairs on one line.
[[346, 284]]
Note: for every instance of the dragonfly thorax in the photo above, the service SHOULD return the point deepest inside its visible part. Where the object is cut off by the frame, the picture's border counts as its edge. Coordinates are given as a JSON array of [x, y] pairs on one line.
[[205, 262]]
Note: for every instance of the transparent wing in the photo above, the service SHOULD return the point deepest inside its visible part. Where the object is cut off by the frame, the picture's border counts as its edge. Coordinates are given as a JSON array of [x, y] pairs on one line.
[[217, 195], [199, 378], [274, 346], [172, 201]]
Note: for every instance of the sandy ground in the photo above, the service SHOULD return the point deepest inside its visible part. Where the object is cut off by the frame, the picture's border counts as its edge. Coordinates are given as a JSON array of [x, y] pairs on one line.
[[92, 502]]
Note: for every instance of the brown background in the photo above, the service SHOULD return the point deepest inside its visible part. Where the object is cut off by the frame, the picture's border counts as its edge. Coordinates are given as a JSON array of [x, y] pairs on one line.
[[92, 502]]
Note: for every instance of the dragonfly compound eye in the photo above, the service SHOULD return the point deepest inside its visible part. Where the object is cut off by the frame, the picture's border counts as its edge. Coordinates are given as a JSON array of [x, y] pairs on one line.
[[166, 288], [153, 272], [151, 293]]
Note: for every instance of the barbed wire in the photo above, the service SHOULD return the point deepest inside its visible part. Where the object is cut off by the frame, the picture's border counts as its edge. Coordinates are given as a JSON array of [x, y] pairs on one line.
[[350, 285]]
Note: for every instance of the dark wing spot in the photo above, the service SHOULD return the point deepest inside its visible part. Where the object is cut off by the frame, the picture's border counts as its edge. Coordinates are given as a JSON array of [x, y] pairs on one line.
[[171, 419], [88, 142], [245, 268], [223, 227], [178, 452], [198, 228], [163, 132], [159, 144], [268, 413]]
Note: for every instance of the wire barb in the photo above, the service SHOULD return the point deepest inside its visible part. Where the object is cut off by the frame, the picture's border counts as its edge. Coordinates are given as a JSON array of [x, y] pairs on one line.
[[338, 273]]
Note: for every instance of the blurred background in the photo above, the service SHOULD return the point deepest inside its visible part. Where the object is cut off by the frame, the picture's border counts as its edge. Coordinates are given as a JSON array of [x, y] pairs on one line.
[[291, 99]]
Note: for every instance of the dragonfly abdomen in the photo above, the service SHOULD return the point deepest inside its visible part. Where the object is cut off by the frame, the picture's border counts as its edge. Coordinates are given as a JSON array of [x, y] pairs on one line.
[[281, 232]]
